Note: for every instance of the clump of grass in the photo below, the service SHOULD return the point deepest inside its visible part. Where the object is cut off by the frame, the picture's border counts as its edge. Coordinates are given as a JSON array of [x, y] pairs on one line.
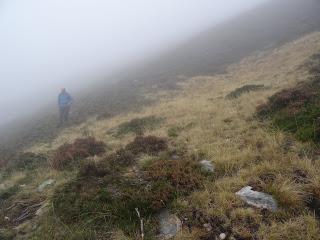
[[302, 227], [138, 125], [28, 161], [245, 223], [5, 156], [151, 145], [9, 192], [314, 64], [245, 89], [122, 158], [67, 154], [174, 131], [111, 201], [6, 234], [93, 169]]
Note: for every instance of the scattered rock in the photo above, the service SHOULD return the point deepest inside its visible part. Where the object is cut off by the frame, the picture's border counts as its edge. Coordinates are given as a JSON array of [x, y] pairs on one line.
[[208, 227], [175, 157], [222, 236], [207, 166], [45, 184], [170, 225], [258, 199]]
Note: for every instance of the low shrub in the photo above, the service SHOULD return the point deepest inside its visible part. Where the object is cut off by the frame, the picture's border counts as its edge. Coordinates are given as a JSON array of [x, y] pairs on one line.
[[99, 198], [93, 169], [122, 158], [67, 154], [28, 161], [295, 110], [244, 89], [185, 176], [5, 156], [138, 125], [111, 201], [148, 145]]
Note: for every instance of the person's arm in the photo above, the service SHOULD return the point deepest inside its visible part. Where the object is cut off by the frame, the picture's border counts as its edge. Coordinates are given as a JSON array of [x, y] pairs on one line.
[[70, 99]]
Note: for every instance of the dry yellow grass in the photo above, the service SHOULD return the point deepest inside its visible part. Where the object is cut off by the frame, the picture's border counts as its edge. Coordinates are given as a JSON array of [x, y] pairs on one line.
[[225, 132]]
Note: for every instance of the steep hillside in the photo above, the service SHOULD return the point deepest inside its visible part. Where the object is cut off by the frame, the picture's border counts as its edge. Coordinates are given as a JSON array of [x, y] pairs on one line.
[[265, 27], [106, 172]]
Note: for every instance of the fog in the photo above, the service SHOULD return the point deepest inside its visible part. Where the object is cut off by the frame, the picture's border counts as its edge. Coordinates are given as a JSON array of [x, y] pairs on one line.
[[49, 44]]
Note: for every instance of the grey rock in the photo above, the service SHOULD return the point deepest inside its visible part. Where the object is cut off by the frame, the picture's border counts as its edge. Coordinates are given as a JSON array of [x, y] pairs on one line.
[[208, 227], [45, 184], [170, 225], [207, 166], [258, 199], [222, 236], [175, 157]]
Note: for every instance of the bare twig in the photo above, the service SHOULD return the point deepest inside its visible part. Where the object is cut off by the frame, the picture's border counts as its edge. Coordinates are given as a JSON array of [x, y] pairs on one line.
[[141, 223]]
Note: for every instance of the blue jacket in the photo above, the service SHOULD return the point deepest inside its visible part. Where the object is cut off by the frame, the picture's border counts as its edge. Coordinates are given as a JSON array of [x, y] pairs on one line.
[[64, 99]]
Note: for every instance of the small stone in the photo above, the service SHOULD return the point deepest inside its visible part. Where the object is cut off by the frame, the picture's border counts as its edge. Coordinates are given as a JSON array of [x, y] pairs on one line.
[[45, 184], [7, 219], [207, 166], [170, 225], [222, 236], [174, 157], [208, 227], [258, 199]]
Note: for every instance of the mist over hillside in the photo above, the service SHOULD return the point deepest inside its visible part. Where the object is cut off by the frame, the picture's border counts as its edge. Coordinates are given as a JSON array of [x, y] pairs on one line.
[[215, 138], [265, 27]]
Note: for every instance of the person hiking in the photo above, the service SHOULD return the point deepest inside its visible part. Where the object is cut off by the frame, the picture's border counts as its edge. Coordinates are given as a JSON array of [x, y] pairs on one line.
[[64, 101]]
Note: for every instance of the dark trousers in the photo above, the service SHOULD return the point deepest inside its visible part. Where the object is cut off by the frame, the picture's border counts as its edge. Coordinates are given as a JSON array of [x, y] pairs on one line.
[[64, 114]]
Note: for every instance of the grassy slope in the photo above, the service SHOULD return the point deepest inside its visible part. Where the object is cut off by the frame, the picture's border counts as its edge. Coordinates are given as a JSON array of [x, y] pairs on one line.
[[225, 132], [207, 53]]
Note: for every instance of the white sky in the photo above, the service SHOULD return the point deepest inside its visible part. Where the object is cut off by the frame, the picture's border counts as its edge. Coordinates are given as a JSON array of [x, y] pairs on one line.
[[47, 44]]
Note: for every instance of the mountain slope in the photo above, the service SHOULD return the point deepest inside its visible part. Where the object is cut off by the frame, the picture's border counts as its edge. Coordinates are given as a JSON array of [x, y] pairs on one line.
[[198, 122]]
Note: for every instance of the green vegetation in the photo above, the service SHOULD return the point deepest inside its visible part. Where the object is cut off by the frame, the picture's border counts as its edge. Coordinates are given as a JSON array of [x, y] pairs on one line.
[[296, 110], [138, 125], [102, 195], [245, 89]]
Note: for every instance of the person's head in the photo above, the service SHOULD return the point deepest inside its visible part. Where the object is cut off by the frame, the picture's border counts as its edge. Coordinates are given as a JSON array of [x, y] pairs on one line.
[[63, 90]]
